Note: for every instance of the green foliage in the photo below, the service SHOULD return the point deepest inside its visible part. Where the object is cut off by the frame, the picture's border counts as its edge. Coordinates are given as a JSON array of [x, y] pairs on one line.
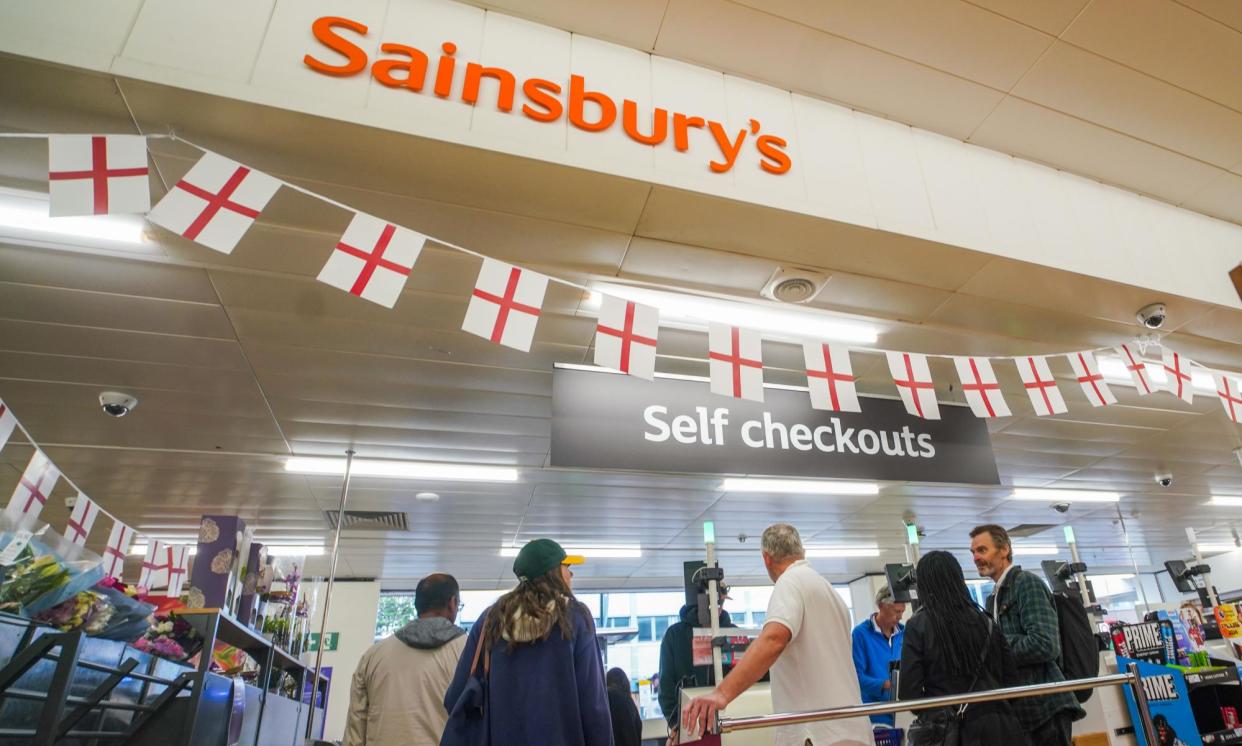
[[395, 611]]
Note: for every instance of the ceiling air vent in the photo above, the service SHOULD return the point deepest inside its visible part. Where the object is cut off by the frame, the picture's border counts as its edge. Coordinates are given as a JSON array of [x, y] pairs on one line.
[[369, 520], [794, 285], [1030, 529]]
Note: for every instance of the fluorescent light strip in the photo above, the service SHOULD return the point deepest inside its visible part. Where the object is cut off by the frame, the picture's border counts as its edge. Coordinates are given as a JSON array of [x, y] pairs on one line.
[[1217, 548], [841, 552], [1071, 496], [294, 550], [27, 212], [1115, 371], [598, 551], [1036, 550], [695, 311], [1230, 501], [799, 486], [402, 469], [140, 550]]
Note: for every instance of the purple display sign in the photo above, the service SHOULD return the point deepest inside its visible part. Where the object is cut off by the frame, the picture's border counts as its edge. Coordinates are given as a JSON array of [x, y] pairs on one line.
[[217, 562]]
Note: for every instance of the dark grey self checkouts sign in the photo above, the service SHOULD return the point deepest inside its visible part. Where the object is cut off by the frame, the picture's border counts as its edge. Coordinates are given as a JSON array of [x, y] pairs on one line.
[[611, 421]]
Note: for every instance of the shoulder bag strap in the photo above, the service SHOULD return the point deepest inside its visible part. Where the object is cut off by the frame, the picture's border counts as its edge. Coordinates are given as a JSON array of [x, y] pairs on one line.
[[480, 643], [987, 645]]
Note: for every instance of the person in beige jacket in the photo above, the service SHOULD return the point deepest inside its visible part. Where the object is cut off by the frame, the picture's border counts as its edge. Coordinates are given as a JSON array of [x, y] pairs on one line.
[[397, 694]]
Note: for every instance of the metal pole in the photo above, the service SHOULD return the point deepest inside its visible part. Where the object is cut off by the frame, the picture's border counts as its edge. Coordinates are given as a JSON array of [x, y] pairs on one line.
[[1140, 700], [327, 600], [1138, 575], [1207, 576], [713, 605], [731, 725]]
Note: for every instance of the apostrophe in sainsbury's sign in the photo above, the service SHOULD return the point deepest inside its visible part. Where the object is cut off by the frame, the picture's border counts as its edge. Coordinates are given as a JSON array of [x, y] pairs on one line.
[[405, 67], [610, 421]]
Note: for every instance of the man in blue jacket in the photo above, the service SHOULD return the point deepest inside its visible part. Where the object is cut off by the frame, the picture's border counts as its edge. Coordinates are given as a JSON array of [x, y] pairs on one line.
[[877, 642]]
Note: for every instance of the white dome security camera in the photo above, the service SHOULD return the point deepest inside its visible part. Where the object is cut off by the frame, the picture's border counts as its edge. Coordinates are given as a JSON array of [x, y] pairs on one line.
[[1152, 315], [116, 404], [1164, 480]]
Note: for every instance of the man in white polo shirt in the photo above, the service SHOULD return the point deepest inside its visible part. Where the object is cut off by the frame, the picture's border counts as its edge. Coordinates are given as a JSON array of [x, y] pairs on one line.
[[806, 643]]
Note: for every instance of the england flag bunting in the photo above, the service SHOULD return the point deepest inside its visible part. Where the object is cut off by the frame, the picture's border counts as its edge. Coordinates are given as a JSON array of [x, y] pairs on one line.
[[7, 423], [178, 568], [1137, 369], [625, 338], [1230, 392], [97, 175], [81, 520], [1177, 376], [505, 305], [34, 487], [912, 375], [156, 565], [1087, 371], [982, 390], [830, 377], [373, 259], [735, 359], [119, 541], [216, 203], [1041, 387]]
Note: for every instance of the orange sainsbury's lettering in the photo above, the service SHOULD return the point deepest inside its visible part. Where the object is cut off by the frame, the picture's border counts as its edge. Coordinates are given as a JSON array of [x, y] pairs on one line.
[[406, 67]]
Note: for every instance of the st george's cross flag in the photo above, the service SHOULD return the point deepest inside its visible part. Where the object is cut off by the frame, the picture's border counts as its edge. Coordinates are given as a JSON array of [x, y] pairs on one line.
[[912, 375], [215, 203], [830, 377], [1177, 376], [1137, 369], [155, 565], [505, 304], [178, 568], [7, 423], [97, 175], [1229, 389], [81, 520], [625, 338], [373, 259], [735, 360], [1041, 387], [34, 487], [1087, 373], [982, 390], [119, 541]]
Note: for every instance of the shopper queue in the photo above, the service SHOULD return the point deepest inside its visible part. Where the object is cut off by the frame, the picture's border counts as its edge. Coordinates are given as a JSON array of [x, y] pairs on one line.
[[530, 671]]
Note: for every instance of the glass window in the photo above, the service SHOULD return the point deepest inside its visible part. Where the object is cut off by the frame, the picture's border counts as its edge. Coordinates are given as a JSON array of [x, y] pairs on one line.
[[661, 626], [618, 621], [758, 618], [646, 629]]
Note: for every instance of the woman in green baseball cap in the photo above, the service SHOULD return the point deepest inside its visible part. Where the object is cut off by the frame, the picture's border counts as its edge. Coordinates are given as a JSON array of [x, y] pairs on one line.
[[540, 666]]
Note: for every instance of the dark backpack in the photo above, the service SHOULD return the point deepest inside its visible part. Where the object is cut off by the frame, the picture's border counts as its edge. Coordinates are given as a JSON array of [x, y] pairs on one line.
[[1080, 655]]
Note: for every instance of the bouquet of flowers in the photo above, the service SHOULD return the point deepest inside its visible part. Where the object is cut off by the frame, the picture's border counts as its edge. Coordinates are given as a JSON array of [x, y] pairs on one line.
[[170, 637], [29, 579], [88, 611]]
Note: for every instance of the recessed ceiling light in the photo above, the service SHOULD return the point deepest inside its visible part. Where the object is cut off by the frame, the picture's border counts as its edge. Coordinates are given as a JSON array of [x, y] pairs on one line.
[[799, 486], [592, 551], [427, 497], [1072, 496], [1231, 501], [682, 310], [402, 469], [823, 552]]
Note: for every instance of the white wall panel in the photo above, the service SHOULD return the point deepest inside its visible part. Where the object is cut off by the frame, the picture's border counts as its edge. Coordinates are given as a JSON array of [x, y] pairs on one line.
[[895, 177], [1010, 224], [289, 40], [697, 92], [620, 73], [832, 161], [85, 34], [773, 110], [426, 25], [528, 50], [952, 190], [219, 39]]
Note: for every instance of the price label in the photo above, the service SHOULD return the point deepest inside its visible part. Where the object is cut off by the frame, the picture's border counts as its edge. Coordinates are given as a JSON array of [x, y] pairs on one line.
[[21, 538]]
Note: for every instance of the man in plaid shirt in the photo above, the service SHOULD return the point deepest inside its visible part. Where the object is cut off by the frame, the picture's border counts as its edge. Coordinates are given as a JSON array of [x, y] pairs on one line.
[[1022, 605]]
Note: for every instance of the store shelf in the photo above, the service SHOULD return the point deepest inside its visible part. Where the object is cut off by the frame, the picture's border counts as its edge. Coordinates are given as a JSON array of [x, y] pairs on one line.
[[285, 662], [1213, 677], [1223, 737], [228, 630]]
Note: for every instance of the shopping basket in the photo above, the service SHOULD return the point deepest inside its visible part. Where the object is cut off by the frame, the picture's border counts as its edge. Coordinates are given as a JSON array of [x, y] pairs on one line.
[[889, 736]]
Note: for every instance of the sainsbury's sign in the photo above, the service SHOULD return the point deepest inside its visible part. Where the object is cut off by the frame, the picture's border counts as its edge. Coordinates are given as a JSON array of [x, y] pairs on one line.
[[408, 68]]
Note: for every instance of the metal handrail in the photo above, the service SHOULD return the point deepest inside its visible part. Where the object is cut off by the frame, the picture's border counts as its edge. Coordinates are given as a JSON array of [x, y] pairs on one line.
[[1130, 678]]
